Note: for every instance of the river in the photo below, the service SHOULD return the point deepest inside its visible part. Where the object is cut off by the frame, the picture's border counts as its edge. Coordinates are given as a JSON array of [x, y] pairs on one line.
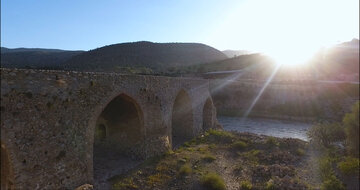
[[270, 127]]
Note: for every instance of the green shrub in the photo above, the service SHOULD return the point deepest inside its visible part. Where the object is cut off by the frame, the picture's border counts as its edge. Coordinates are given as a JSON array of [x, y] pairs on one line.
[[325, 167], [300, 152], [213, 181], [245, 185], [126, 183], [349, 166], [181, 161], [327, 175], [185, 170], [157, 178], [272, 141], [351, 125], [219, 136], [203, 149], [332, 183], [186, 144], [209, 158], [326, 134], [212, 146], [169, 153], [251, 156], [270, 185], [239, 145]]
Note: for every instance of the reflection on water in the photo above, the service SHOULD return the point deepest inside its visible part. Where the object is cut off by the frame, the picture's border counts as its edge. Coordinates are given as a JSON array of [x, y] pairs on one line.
[[276, 128]]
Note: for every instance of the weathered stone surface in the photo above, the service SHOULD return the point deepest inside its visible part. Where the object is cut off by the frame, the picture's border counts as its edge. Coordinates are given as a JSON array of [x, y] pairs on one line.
[[48, 120]]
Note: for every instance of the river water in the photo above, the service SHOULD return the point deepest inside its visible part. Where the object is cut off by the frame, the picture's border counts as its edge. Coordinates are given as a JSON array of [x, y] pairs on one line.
[[270, 127]]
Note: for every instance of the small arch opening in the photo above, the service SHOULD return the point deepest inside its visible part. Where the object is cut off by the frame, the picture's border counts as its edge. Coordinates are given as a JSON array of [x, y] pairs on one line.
[[118, 138]]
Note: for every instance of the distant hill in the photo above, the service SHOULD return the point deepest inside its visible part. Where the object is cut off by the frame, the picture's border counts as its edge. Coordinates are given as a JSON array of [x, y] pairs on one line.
[[235, 63], [13, 50], [35, 58], [250, 65], [233, 53], [354, 43], [340, 62], [156, 56]]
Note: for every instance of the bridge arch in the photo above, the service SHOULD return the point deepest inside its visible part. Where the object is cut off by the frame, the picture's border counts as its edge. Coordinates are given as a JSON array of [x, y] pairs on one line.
[[182, 121], [208, 114], [118, 135], [7, 172], [120, 124]]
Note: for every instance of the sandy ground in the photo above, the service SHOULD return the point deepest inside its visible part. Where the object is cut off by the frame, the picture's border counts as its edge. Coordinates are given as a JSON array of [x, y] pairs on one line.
[[109, 165]]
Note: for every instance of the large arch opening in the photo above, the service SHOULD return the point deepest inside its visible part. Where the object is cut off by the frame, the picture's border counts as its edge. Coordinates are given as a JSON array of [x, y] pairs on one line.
[[118, 137], [182, 119], [7, 175], [207, 115]]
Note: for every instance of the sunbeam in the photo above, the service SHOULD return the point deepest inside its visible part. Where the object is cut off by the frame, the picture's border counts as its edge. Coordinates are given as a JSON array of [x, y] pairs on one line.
[[228, 80], [261, 91]]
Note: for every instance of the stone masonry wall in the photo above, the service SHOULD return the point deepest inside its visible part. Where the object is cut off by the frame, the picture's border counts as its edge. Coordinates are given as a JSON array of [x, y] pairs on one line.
[[48, 120]]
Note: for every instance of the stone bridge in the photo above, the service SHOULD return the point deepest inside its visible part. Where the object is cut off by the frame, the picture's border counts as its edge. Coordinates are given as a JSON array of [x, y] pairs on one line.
[[55, 123]]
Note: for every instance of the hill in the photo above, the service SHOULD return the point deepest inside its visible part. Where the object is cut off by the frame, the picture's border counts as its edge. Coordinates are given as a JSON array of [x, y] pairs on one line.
[[156, 56], [35, 58]]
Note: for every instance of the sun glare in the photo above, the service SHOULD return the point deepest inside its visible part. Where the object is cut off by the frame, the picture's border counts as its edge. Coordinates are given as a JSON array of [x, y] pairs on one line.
[[291, 56], [288, 31]]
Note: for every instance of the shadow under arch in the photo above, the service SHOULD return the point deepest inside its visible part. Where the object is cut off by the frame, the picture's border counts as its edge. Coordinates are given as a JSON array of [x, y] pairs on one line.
[[182, 119], [118, 138], [7, 172], [208, 114]]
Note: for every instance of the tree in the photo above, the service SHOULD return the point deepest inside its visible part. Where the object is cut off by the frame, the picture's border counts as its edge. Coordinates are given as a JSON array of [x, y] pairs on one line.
[[351, 125], [325, 134]]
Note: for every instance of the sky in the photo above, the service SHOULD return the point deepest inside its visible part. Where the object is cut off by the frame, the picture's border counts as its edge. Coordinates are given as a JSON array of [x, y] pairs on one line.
[[275, 26]]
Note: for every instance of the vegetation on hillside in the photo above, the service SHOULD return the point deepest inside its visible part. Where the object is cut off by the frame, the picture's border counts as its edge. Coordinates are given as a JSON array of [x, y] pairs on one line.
[[257, 61], [337, 163], [351, 127], [225, 160]]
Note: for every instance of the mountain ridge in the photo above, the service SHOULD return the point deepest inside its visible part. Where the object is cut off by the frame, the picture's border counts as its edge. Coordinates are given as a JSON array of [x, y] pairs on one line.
[[157, 56], [35, 58]]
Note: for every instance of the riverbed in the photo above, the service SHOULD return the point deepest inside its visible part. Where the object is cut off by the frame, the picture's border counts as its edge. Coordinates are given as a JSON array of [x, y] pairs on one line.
[[270, 127]]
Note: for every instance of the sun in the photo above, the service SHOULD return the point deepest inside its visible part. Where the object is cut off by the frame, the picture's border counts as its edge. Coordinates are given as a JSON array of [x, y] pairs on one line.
[[289, 60], [291, 56]]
